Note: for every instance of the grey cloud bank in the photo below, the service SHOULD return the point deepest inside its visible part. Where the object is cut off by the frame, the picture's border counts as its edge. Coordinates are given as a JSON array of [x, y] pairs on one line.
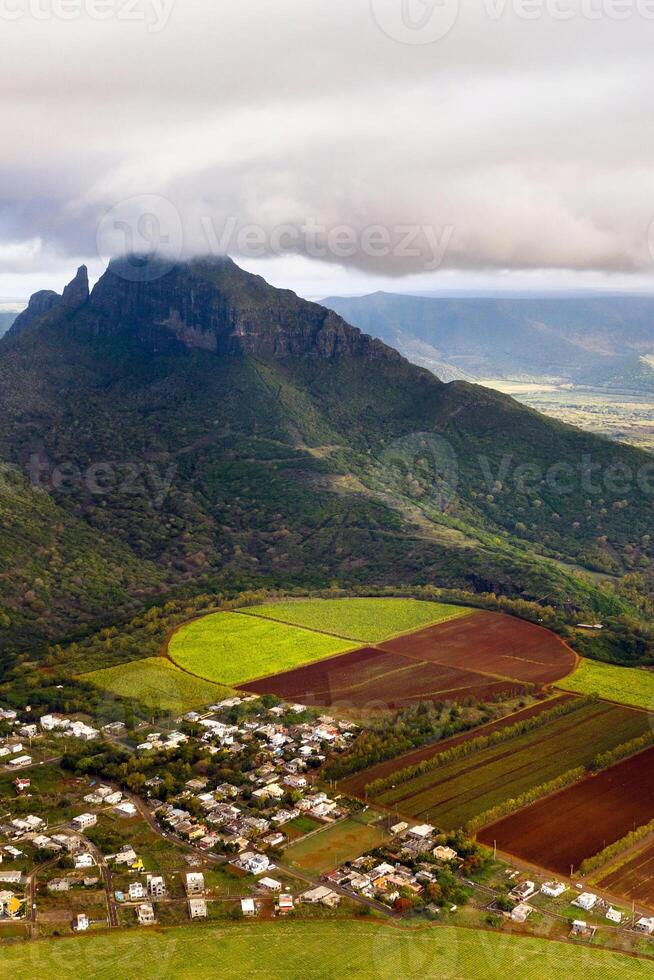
[[520, 139]]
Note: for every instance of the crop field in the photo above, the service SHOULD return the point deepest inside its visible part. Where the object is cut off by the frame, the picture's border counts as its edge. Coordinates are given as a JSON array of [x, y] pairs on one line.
[[563, 830], [633, 879], [317, 949], [372, 679], [355, 785], [365, 620], [491, 643], [231, 648], [627, 685], [340, 842], [477, 655], [157, 684], [471, 785]]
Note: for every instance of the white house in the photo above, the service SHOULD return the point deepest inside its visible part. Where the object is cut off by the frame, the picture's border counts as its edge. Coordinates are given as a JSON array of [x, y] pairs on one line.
[[586, 901], [553, 889], [84, 860], [136, 891], [156, 886], [197, 908], [84, 821], [248, 907], [82, 922], [194, 883], [145, 914]]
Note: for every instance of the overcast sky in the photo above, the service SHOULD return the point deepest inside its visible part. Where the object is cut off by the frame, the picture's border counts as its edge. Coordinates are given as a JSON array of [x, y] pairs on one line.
[[332, 145]]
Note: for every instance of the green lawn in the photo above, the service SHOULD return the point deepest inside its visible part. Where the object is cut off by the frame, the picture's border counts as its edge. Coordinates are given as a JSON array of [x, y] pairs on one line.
[[627, 685], [287, 950], [365, 620], [232, 648], [453, 794], [328, 848], [158, 684]]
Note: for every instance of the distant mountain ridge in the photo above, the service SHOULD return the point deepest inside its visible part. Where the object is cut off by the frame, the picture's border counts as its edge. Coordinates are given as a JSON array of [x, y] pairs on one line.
[[193, 427], [7, 317], [593, 340]]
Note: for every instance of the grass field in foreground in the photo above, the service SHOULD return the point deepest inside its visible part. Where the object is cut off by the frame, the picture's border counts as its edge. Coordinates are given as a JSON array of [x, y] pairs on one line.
[[366, 620], [231, 648], [328, 848], [289, 950], [453, 794], [158, 684], [627, 685]]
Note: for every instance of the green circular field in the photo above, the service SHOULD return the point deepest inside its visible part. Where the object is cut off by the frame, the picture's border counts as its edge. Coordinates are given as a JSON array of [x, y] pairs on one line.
[[233, 648]]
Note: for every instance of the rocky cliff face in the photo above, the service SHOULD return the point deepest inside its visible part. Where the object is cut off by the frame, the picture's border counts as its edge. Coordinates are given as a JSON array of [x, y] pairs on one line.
[[212, 304]]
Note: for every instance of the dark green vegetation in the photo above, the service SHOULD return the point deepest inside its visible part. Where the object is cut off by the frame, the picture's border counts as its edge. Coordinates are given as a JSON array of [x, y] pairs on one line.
[[205, 431], [469, 785]]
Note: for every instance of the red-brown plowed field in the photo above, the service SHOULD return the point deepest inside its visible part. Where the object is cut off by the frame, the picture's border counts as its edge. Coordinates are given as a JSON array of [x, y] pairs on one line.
[[635, 879], [490, 643], [371, 678], [355, 785], [563, 830]]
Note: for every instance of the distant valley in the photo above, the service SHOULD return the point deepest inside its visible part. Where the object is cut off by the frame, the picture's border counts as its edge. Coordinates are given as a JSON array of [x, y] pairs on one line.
[[586, 360]]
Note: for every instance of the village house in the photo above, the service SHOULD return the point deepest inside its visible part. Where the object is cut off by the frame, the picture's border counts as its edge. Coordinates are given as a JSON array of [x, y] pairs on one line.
[[84, 860], [82, 923], [553, 889], [586, 901], [321, 896], [136, 891], [59, 885], [248, 908], [523, 891], [156, 886], [444, 854], [194, 883], [9, 905], [285, 904], [84, 821], [270, 884], [521, 912], [645, 925], [197, 908], [145, 914]]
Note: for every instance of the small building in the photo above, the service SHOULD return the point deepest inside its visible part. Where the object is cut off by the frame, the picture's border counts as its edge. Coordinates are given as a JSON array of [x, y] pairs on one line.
[[156, 886], [84, 860], [84, 821], [523, 891], [9, 905], [270, 884], [421, 832], [399, 828], [59, 885], [553, 889], [194, 883], [613, 915], [645, 925], [248, 908], [586, 901], [82, 923], [321, 896], [445, 854], [581, 930], [145, 914], [20, 762], [197, 908], [285, 904], [136, 891], [521, 912]]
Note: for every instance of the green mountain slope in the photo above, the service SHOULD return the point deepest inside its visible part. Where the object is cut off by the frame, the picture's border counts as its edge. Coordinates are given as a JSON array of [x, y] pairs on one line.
[[202, 428]]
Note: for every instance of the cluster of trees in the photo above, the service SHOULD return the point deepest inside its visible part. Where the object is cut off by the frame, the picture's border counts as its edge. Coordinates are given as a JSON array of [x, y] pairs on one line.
[[617, 848]]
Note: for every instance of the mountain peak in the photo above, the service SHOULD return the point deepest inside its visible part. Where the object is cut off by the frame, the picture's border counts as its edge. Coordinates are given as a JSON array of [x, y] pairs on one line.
[[210, 303], [76, 292]]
